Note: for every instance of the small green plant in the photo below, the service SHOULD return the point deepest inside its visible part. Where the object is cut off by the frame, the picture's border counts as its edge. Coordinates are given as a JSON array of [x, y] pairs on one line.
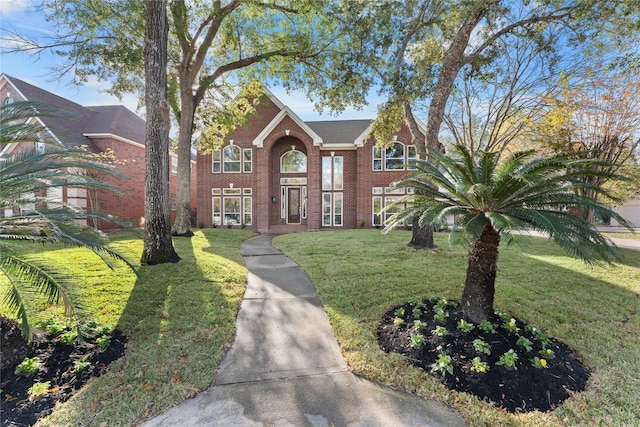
[[201, 224], [524, 342], [398, 321], [363, 224], [441, 331], [28, 366], [104, 330], [440, 316], [442, 364], [419, 324], [547, 353], [508, 360], [81, 365], [38, 389], [479, 366], [510, 325], [542, 338], [417, 340], [103, 341], [416, 312], [539, 363], [465, 326], [399, 312], [69, 338], [487, 327], [417, 303], [482, 347]]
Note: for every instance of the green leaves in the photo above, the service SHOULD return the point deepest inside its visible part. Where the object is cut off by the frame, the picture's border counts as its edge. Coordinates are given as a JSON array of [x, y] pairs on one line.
[[524, 190]]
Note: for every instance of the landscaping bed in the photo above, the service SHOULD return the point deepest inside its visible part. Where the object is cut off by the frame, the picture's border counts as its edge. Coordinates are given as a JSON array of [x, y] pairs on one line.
[[61, 370], [514, 366]]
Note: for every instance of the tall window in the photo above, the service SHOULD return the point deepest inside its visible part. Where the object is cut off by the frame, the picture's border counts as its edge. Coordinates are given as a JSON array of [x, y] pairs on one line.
[[293, 161], [394, 157], [231, 158], [247, 161], [231, 208], [332, 185], [215, 161]]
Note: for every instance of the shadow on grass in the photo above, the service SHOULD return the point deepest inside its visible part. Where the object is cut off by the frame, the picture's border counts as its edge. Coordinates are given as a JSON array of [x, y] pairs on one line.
[[178, 319], [592, 309]]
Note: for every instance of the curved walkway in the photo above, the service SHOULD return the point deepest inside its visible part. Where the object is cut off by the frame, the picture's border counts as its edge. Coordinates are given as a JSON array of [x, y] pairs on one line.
[[285, 367]]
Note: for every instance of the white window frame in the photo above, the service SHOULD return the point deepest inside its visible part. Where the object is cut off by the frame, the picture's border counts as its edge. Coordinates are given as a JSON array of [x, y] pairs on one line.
[[216, 160], [225, 162], [247, 161], [301, 170]]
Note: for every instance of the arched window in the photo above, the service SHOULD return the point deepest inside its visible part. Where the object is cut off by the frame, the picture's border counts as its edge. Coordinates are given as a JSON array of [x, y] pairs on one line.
[[8, 100], [293, 161], [394, 156], [231, 158]]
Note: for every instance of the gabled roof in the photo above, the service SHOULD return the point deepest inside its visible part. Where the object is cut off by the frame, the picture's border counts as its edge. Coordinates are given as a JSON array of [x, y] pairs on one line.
[[284, 112], [77, 122], [340, 133], [115, 120], [327, 134]]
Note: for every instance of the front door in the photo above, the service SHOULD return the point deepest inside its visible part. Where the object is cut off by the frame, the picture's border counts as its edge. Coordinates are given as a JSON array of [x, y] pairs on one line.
[[293, 205]]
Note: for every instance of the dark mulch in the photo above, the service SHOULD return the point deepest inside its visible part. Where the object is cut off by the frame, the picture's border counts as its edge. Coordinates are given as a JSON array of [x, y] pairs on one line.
[[523, 389], [58, 360]]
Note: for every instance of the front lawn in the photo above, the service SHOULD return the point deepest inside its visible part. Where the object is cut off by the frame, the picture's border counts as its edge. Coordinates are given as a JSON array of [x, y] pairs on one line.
[[361, 274], [178, 319]]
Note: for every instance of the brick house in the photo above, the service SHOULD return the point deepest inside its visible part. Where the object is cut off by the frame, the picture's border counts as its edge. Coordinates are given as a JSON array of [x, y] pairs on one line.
[[281, 174], [101, 129]]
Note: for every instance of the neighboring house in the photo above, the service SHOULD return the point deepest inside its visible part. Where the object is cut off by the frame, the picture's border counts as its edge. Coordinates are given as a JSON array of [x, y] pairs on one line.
[[280, 174], [630, 210], [101, 129]]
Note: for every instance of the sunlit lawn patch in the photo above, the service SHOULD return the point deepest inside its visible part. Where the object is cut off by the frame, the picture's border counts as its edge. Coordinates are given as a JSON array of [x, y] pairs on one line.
[[361, 274]]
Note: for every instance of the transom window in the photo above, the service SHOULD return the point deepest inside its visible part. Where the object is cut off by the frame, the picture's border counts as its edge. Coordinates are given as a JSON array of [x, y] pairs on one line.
[[293, 161]]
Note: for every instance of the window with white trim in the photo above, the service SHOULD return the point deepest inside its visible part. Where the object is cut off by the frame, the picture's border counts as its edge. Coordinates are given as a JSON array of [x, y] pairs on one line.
[[215, 161], [332, 201], [231, 208], [247, 161], [378, 204], [231, 159], [174, 165], [293, 161], [394, 157], [326, 209], [412, 156]]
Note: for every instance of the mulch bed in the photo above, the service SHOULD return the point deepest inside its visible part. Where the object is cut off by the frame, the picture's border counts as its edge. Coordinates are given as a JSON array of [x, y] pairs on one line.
[[17, 409], [523, 389]]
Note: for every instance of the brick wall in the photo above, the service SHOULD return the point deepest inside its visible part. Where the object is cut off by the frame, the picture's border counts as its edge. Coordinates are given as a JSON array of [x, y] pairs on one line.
[[359, 176]]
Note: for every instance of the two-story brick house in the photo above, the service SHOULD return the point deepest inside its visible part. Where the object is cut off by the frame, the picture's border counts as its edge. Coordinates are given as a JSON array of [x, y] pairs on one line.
[[281, 174], [101, 129]]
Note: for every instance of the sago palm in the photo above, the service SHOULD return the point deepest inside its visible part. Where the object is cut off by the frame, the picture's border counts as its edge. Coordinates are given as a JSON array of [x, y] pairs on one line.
[[490, 199], [25, 180]]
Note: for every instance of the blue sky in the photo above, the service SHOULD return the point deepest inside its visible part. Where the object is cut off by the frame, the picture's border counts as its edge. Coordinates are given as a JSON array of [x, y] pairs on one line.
[[21, 16]]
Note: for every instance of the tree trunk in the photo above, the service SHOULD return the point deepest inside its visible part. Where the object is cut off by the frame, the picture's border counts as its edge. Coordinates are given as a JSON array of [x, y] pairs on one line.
[[479, 288], [182, 222], [158, 247], [421, 236]]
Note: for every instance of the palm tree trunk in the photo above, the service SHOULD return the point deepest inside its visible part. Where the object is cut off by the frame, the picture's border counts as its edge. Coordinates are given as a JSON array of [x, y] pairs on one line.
[[479, 288]]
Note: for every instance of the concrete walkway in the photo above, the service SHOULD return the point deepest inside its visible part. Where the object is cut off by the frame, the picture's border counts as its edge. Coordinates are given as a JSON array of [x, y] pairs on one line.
[[285, 367]]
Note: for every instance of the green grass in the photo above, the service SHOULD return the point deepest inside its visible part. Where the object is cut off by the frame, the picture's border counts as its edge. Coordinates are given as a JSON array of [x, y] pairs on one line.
[[634, 236], [360, 274], [177, 317]]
